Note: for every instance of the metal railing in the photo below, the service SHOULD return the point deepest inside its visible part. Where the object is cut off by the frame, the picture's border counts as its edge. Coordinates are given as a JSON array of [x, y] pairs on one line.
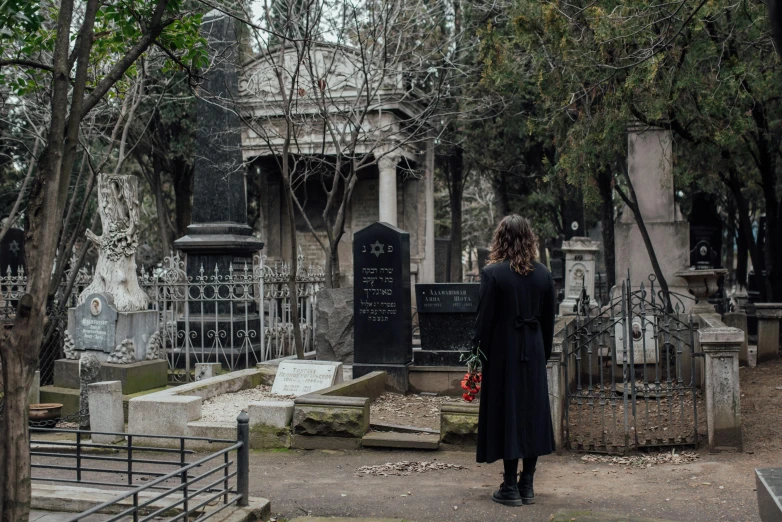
[[189, 490], [239, 318]]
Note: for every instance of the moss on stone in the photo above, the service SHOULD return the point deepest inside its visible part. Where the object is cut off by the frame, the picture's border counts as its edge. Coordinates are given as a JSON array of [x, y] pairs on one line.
[[269, 437], [330, 421], [458, 428]]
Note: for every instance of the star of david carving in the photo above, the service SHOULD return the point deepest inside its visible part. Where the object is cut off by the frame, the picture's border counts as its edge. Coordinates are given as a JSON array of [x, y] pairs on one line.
[[14, 248], [377, 248]]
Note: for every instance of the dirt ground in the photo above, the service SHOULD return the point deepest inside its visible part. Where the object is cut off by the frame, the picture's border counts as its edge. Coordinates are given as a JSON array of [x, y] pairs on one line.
[[713, 487]]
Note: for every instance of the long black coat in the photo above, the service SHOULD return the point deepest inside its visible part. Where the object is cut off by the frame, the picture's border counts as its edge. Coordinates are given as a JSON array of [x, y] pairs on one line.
[[515, 331]]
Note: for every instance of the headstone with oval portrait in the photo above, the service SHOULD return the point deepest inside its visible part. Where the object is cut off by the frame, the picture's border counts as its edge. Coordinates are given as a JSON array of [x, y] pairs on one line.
[[642, 348]]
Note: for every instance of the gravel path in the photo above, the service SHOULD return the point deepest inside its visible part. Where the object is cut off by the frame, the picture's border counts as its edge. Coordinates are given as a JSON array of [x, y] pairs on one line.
[[225, 408]]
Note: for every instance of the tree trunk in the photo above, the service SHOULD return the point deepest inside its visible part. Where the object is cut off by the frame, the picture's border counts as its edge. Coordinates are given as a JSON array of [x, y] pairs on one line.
[[742, 253], [162, 210], [605, 180], [455, 192], [632, 203], [292, 287], [775, 18], [501, 199]]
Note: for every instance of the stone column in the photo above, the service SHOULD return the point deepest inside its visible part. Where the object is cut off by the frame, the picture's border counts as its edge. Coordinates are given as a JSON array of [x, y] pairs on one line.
[[106, 411], [386, 193], [721, 346], [555, 392], [580, 255], [739, 320], [768, 315]]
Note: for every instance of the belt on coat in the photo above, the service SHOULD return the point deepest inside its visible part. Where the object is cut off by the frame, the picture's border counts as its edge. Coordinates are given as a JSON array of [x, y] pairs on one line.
[[521, 324]]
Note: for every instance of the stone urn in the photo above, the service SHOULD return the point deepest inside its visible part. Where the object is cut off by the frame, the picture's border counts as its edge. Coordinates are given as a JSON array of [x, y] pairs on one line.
[[45, 415], [702, 283]]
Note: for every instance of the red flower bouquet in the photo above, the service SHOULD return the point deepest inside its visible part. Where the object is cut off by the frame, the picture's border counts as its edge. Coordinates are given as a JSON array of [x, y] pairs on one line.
[[471, 383]]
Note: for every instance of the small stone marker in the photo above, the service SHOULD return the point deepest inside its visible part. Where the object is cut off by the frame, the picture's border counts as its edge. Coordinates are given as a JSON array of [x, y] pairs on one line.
[[105, 399], [637, 337], [301, 377], [96, 323]]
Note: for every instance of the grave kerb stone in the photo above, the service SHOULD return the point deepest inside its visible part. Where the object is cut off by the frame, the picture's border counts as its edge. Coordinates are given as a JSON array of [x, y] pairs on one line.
[[768, 315], [721, 346]]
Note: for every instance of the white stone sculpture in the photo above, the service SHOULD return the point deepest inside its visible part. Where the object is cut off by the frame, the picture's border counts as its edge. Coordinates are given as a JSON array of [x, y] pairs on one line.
[[115, 271]]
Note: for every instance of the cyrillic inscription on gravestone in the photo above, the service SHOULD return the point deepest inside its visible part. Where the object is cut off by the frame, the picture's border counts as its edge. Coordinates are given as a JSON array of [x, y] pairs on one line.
[[448, 298], [96, 323], [300, 377]]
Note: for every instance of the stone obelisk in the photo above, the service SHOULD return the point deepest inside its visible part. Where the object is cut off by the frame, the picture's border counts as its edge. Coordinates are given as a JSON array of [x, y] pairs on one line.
[[219, 234]]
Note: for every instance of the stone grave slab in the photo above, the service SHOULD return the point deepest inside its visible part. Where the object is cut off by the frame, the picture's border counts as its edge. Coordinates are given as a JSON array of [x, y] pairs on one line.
[[301, 377], [446, 317]]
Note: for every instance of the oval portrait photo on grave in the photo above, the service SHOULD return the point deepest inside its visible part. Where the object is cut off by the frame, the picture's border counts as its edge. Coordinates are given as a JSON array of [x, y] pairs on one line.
[[95, 306], [636, 331]]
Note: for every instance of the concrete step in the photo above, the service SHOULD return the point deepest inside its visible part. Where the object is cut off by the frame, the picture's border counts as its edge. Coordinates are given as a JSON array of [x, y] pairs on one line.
[[381, 439]]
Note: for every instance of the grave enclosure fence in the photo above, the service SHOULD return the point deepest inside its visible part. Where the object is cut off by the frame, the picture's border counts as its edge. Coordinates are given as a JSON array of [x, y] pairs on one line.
[[238, 318]]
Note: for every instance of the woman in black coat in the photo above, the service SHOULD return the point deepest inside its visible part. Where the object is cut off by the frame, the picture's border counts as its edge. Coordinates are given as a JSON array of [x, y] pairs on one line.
[[515, 332]]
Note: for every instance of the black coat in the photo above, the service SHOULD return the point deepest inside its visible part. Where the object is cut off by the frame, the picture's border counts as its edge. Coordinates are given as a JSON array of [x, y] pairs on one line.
[[515, 331]]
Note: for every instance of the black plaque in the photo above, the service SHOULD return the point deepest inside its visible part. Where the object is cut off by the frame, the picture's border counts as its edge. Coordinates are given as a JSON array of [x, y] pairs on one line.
[[447, 298], [446, 317], [12, 252], [382, 301]]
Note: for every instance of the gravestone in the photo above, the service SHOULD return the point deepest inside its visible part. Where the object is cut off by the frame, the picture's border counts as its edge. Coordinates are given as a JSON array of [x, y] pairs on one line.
[[95, 324], [580, 259], [334, 335], [383, 329], [573, 214], [12, 252], [643, 343], [703, 256], [446, 317], [302, 377], [768, 482], [442, 260]]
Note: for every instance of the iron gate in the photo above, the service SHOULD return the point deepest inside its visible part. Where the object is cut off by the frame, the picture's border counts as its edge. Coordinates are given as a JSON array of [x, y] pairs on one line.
[[630, 371]]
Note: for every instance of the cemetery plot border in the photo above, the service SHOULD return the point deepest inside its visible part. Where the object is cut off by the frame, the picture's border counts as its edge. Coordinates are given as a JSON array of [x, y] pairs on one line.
[[630, 370]]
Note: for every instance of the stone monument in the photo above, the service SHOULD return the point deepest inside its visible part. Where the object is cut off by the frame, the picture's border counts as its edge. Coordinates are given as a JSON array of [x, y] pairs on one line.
[[334, 335], [383, 332], [219, 237], [650, 166], [446, 317], [580, 259], [89, 369], [111, 323]]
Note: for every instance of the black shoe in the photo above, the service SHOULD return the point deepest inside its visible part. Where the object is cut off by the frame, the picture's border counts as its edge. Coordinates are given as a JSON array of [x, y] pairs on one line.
[[507, 495], [526, 491]]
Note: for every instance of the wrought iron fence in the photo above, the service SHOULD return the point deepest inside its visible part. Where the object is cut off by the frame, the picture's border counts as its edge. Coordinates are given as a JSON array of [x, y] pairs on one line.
[[193, 490], [630, 373], [237, 318]]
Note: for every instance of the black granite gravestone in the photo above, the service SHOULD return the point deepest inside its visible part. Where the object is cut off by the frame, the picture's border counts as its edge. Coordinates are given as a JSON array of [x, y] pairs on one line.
[[705, 226], [12, 252], [219, 235], [573, 214], [446, 316], [703, 256], [383, 326]]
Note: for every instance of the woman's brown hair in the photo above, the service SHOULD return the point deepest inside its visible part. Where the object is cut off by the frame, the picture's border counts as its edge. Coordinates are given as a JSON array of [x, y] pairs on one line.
[[514, 241]]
